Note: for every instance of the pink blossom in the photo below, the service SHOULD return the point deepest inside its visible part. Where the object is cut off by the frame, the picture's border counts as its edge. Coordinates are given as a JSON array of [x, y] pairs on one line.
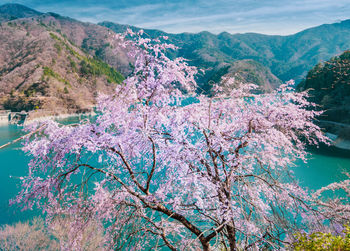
[[215, 171]]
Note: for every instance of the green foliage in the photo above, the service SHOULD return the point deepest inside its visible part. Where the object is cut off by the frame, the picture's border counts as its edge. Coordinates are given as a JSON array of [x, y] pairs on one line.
[[88, 66], [213, 77], [65, 90], [88, 69], [42, 24], [73, 64], [50, 73], [62, 43], [71, 51], [12, 24], [58, 47], [323, 241], [96, 67], [100, 52], [54, 36], [329, 82], [84, 44], [30, 92]]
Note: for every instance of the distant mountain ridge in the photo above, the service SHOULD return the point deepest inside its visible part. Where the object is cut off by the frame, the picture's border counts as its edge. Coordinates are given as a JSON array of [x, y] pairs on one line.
[[288, 57], [27, 35]]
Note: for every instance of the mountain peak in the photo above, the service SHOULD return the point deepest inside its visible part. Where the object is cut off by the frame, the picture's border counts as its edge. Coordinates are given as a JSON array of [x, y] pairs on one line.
[[13, 11]]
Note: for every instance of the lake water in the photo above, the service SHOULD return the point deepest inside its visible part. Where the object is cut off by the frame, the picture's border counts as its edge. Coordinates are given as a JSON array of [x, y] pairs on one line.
[[325, 166]]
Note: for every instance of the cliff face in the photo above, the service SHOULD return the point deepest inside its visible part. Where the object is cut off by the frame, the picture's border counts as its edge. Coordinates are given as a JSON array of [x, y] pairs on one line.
[[43, 68]]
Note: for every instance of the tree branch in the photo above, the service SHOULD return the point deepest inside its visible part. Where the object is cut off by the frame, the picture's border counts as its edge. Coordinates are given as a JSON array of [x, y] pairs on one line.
[[149, 178]]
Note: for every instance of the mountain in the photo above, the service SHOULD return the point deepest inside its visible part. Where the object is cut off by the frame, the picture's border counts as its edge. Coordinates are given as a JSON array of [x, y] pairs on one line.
[[288, 57], [23, 86], [201, 50], [243, 71], [44, 67], [41, 52], [10, 12], [329, 85], [250, 71]]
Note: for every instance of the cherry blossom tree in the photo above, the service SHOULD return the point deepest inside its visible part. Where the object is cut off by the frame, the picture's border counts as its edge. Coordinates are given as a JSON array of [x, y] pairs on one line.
[[161, 166]]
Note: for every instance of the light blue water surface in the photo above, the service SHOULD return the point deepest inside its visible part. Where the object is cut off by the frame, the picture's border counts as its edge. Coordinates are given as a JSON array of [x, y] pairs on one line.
[[14, 164], [324, 166]]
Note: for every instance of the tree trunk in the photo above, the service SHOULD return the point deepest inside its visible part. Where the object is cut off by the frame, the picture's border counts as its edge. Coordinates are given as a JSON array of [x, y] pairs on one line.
[[206, 246], [231, 237]]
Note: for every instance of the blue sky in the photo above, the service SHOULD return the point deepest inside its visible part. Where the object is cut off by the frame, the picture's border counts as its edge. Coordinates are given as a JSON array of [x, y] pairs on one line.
[[234, 16]]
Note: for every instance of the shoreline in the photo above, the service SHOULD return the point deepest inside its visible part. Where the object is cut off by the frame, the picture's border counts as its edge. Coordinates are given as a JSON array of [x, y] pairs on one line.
[[57, 117], [338, 142], [30, 120]]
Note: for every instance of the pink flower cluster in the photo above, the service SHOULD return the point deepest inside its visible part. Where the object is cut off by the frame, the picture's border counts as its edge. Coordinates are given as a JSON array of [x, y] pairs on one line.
[[212, 173]]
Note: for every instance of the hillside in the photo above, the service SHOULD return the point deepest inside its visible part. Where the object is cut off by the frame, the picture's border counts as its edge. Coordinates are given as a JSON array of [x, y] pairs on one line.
[[42, 69], [244, 71], [329, 85], [201, 51], [288, 57], [95, 40]]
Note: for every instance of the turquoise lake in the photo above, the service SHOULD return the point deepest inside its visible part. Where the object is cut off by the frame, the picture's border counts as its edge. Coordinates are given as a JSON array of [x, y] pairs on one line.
[[325, 165]]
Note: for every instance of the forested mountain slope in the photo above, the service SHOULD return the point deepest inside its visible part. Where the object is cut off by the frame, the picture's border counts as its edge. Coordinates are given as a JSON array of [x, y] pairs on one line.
[[41, 68], [48, 61], [329, 85], [288, 57]]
